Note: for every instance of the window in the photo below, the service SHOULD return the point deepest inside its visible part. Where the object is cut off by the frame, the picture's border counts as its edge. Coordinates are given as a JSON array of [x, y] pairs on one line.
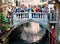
[[16, 3], [49, 0], [43, 0]]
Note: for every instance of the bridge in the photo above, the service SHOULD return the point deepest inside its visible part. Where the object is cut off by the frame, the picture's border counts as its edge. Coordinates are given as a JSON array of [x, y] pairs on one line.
[[25, 17]]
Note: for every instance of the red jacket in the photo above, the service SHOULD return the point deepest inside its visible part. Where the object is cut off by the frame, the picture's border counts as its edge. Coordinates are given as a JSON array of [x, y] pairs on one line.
[[37, 10]]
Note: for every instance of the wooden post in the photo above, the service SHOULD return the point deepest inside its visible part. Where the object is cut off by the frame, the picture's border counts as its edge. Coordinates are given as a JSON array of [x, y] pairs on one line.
[[52, 35]]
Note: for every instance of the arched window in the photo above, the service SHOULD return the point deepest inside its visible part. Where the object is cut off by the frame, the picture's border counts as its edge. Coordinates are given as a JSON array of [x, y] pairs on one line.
[[16, 3]]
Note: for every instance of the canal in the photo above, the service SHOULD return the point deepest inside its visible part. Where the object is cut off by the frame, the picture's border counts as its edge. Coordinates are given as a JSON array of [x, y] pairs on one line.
[[16, 38]]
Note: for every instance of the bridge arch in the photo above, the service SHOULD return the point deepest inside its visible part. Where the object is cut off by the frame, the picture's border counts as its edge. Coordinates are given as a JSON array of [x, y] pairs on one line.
[[41, 32]]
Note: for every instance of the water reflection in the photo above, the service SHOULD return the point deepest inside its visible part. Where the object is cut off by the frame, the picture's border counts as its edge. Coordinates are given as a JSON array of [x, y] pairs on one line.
[[25, 34], [31, 32]]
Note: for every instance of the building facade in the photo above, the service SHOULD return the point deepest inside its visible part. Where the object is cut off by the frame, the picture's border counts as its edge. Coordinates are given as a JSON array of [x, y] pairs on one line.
[[38, 2], [0, 2], [56, 6]]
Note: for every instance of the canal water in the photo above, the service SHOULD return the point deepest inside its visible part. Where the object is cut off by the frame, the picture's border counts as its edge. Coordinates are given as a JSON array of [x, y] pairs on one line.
[[15, 37]]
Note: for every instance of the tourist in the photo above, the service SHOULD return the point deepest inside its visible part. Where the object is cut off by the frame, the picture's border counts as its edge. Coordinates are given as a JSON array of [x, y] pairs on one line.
[[52, 15]]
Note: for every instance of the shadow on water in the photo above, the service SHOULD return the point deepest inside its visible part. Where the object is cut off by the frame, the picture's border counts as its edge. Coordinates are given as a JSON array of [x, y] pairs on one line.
[[15, 38]]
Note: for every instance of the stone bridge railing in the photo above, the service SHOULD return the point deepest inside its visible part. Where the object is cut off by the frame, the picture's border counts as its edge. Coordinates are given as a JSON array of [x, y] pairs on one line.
[[39, 17]]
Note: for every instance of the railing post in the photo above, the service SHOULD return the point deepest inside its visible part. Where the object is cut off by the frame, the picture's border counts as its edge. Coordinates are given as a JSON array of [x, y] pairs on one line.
[[40, 15], [11, 24], [20, 16], [30, 15]]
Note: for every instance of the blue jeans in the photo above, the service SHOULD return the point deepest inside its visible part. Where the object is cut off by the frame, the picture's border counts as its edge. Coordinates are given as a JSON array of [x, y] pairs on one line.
[[52, 17]]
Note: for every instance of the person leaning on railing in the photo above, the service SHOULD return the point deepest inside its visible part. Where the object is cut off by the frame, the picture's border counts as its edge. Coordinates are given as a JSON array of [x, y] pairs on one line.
[[47, 11], [52, 14], [18, 10]]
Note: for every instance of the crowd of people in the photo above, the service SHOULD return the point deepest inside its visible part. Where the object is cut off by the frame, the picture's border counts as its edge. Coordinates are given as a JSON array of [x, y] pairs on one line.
[[35, 8]]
